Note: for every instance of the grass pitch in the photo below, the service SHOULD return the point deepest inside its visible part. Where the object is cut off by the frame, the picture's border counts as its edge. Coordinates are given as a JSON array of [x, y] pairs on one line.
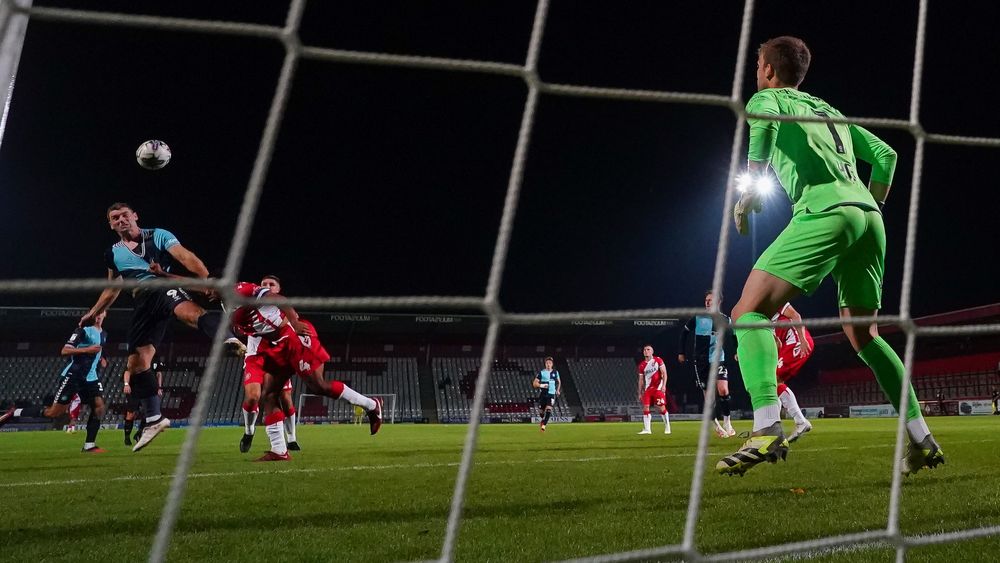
[[577, 490]]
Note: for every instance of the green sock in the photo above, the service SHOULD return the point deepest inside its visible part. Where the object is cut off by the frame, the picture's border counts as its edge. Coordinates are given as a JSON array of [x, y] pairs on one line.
[[888, 368], [758, 361]]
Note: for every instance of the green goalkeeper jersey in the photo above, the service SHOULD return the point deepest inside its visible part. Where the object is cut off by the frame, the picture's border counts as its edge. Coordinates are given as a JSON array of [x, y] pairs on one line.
[[816, 162]]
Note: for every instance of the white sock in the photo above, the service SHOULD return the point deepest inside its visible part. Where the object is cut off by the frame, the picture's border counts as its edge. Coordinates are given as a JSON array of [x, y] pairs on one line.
[[727, 422], [355, 398], [250, 421], [918, 429], [88, 445], [647, 419], [290, 427], [276, 434], [666, 420], [792, 406], [766, 416], [17, 412]]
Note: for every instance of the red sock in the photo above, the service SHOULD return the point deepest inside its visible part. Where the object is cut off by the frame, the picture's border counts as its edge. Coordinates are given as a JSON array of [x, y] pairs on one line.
[[276, 416], [247, 408], [338, 388], [291, 411], [782, 388]]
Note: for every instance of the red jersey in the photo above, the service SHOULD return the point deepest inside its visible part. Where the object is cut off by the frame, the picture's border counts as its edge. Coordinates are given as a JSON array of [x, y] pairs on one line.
[[255, 320], [786, 335], [650, 370]]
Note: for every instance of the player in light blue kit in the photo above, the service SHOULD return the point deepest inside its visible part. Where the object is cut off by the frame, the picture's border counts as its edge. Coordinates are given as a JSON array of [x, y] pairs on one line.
[[84, 349]]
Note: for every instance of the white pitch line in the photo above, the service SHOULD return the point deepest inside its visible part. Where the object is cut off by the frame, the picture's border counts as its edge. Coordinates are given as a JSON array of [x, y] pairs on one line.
[[414, 466]]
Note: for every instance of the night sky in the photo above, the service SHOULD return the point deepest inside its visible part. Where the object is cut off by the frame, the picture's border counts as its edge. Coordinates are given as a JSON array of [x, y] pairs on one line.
[[390, 181]]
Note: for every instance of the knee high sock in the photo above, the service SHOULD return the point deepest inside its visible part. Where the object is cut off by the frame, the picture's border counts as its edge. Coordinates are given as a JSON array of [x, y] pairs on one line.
[[888, 369], [129, 424], [273, 425], [758, 364], [341, 391], [93, 425], [290, 425]]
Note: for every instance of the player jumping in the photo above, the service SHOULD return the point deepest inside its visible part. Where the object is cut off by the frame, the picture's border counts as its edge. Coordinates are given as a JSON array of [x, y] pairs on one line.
[[795, 346], [836, 228], [84, 349], [550, 383], [140, 255], [652, 385], [288, 346]]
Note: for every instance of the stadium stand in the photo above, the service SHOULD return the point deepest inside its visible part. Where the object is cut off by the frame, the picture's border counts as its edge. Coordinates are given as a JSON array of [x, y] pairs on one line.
[[604, 382], [510, 396]]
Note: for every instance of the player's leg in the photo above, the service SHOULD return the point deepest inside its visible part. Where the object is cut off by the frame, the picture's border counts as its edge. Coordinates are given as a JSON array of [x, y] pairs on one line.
[[96, 402], [791, 406], [145, 388], [550, 400], [308, 357], [318, 385], [250, 410], [128, 423], [647, 417], [701, 366], [60, 405], [196, 317], [722, 388], [288, 407], [859, 278], [661, 400], [274, 419]]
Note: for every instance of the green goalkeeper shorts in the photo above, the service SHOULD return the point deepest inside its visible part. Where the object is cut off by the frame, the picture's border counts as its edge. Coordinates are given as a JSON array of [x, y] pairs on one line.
[[846, 241]]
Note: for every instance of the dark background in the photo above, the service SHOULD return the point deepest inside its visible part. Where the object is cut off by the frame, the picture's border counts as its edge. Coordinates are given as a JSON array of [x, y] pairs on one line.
[[390, 181]]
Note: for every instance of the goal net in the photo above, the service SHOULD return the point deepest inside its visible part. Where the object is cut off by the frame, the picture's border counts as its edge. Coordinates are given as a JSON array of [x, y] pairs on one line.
[[489, 301], [319, 409]]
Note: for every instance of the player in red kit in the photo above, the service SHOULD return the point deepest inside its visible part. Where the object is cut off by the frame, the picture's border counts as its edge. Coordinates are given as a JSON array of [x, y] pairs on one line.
[[795, 345], [288, 346], [652, 384]]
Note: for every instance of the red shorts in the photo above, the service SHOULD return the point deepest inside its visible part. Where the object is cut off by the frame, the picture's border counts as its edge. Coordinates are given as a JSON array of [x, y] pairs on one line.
[[791, 359], [288, 354], [655, 397]]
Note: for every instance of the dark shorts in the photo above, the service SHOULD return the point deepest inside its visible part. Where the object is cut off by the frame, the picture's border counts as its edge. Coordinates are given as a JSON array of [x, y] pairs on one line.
[[153, 310], [546, 400], [70, 385], [132, 403], [701, 373]]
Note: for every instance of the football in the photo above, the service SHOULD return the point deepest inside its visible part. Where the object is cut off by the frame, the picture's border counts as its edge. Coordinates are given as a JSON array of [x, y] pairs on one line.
[[152, 155]]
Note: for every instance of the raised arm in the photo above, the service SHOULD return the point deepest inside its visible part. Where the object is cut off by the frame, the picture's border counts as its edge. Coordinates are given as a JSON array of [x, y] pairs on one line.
[[107, 298], [189, 260], [879, 154]]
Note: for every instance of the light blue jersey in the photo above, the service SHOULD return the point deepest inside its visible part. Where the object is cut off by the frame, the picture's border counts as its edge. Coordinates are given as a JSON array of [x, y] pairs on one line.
[[134, 263], [550, 377], [84, 366]]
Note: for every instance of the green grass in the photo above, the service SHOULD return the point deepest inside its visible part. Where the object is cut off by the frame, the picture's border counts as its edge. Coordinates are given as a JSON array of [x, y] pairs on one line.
[[577, 490]]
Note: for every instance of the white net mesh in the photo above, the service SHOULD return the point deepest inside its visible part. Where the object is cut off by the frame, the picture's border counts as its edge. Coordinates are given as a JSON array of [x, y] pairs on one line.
[[489, 303]]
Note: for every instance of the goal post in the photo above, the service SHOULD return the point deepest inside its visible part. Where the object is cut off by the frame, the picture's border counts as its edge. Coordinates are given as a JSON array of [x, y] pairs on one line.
[[320, 409]]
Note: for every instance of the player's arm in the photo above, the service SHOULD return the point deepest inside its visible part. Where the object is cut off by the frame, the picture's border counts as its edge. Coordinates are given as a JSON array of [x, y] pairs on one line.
[[683, 339], [794, 315], [763, 136], [663, 377], [290, 313], [558, 384], [70, 349], [126, 378], [537, 381], [880, 155], [107, 298], [638, 385]]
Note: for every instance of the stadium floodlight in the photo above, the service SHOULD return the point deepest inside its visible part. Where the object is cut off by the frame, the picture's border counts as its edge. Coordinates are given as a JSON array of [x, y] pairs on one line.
[[757, 184]]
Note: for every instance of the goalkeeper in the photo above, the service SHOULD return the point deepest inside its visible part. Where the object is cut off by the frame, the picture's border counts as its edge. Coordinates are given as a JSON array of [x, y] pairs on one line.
[[836, 228]]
